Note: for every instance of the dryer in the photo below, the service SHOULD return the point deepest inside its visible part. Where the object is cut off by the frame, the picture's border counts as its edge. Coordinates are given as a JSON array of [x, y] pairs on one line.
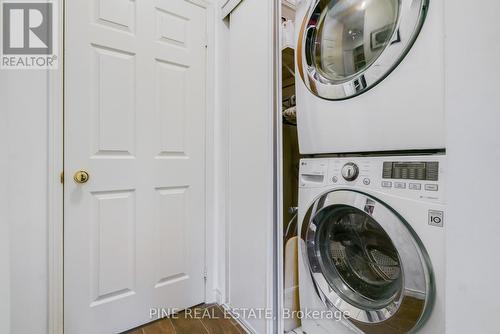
[[372, 245], [370, 75]]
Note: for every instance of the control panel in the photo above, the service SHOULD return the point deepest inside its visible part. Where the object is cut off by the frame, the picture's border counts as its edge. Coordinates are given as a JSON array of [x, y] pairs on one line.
[[418, 177], [411, 170]]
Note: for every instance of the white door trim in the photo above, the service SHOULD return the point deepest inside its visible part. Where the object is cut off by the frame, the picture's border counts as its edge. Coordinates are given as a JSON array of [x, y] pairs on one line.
[[228, 6], [210, 163], [277, 292], [55, 193]]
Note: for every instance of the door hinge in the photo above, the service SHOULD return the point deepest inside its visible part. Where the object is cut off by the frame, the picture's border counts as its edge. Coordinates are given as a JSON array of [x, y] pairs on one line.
[[205, 274], [61, 177]]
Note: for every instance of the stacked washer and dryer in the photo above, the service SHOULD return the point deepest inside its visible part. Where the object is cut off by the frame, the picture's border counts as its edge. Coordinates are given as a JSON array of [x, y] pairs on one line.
[[370, 109]]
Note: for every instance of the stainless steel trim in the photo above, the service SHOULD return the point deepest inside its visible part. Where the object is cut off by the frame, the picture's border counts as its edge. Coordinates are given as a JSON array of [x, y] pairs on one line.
[[411, 18], [411, 307]]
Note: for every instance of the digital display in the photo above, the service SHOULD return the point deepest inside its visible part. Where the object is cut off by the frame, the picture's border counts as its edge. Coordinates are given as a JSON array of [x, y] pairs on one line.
[[424, 171]]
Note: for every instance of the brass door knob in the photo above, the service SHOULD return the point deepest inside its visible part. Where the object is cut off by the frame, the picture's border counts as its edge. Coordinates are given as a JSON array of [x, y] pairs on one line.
[[81, 176]]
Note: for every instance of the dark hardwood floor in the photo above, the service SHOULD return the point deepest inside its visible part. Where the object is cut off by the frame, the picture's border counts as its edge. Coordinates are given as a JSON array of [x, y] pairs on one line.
[[204, 319]]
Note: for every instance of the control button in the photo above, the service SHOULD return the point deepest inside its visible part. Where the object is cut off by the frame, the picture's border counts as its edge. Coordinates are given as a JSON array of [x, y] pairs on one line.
[[386, 184], [335, 179], [350, 171], [415, 186], [431, 187], [366, 181], [400, 185]]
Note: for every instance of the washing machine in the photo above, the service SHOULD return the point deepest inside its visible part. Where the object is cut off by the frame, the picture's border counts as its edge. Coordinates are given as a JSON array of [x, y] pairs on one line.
[[372, 245], [370, 75]]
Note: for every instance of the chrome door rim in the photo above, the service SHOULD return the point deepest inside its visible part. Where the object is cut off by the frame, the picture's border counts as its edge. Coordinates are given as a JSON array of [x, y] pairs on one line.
[[412, 15], [418, 280]]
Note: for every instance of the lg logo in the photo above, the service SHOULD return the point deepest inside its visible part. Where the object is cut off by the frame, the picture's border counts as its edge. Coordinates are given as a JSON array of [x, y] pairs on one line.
[[436, 218], [27, 28]]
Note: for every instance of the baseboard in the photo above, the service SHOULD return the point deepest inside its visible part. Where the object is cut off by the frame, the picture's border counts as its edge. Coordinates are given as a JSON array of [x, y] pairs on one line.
[[219, 297]]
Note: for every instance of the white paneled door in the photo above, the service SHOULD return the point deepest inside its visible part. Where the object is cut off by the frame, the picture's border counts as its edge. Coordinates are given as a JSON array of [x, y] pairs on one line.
[[135, 122]]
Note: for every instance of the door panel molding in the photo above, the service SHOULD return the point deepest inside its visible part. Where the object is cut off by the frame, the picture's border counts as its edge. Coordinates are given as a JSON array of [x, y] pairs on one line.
[[121, 238]]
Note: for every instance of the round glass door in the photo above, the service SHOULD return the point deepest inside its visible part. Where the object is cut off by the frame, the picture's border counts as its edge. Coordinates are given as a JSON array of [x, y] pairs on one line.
[[357, 257], [367, 262], [342, 46], [348, 46]]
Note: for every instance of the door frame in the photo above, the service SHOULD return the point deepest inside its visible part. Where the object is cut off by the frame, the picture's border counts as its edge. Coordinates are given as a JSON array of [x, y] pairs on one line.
[[56, 177]]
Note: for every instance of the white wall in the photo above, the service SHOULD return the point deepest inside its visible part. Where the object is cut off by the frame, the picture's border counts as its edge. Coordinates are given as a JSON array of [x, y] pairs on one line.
[[473, 118], [24, 229], [250, 211], [4, 224]]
